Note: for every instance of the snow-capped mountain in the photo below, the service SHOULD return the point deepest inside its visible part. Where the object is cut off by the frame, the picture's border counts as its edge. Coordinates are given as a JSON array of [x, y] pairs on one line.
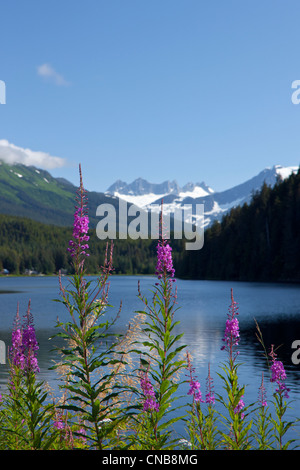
[[144, 194]]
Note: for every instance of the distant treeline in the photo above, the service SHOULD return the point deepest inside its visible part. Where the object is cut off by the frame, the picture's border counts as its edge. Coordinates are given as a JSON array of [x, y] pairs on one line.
[[259, 241], [27, 246]]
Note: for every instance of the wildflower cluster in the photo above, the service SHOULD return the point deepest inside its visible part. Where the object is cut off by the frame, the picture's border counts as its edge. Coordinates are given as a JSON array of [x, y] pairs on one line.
[[239, 407], [232, 333], [24, 344], [164, 264], [194, 389], [201, 424], [150, 403], [78, 246], [278, 374]]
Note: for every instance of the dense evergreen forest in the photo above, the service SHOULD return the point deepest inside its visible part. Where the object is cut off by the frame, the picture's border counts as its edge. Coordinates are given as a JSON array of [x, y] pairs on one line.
[[29, 246], [259, 241]]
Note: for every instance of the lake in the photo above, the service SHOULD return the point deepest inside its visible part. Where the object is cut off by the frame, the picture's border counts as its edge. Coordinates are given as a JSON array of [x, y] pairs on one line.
[[203, 307]]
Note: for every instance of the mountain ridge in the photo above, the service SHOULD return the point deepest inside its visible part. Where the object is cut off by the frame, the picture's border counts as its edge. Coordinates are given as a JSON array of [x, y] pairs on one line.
[[216, 204], [34, 193]]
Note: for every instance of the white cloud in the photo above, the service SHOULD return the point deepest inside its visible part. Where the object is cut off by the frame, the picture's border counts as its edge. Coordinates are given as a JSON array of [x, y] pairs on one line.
[[10, 153], [48, 72]]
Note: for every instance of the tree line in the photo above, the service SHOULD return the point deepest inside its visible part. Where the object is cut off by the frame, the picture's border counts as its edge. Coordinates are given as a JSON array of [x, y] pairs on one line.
[[28, 246]]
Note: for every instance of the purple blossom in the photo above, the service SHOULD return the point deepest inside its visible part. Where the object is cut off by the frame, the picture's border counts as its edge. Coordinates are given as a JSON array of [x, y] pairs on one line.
[[24, 344], [58, 424], [80, 230], [239, 407], [150, 403], [232, 333], [164, 260], [262, 393], [17, 355], [278, 374], [30, 344], [209, 397], [81, 224], [195, 391]]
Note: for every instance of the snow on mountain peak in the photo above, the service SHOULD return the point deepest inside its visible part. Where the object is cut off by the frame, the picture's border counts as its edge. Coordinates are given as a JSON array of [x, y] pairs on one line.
[[144, 194], [285, 172]]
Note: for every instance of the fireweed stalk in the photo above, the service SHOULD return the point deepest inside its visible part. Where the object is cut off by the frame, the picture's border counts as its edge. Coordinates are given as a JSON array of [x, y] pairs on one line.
[[160, 363], [90, 351], [278, 376], [201, 425], [262, 434], [271, 426], [237, 437]]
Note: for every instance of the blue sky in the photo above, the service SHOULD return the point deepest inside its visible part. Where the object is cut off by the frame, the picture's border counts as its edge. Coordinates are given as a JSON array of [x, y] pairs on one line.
[[189, 90]]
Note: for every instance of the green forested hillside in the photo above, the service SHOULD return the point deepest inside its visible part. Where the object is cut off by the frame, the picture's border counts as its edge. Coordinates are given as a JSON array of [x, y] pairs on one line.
[[29, 245], [26, 191], [255, 242]]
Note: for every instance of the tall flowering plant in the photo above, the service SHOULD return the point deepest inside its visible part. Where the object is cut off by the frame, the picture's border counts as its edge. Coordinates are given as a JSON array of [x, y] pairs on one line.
[[27, 414], [271, 425], [263, 432], [201, 424], [90, 380], [78, 246], [24, 345], [159, 357], [237, 437], [278, 376]]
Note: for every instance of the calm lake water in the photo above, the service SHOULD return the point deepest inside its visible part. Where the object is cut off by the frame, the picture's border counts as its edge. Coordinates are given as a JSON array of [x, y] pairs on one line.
[[202, 313]]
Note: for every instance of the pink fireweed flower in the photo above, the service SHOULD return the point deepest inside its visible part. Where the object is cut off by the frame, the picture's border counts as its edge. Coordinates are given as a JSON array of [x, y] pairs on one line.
[[78, 246], [278, 374], [209, 397], [194, 389], [24, 344], [29, 343], [262, 393], [150, 403], [164, 264], [58, 424], [16, 352], [239, 407], [232, 333]]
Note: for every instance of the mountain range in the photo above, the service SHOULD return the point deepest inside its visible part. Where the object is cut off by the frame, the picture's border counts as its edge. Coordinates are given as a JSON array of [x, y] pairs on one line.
[[33, 193], [145, 195]]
